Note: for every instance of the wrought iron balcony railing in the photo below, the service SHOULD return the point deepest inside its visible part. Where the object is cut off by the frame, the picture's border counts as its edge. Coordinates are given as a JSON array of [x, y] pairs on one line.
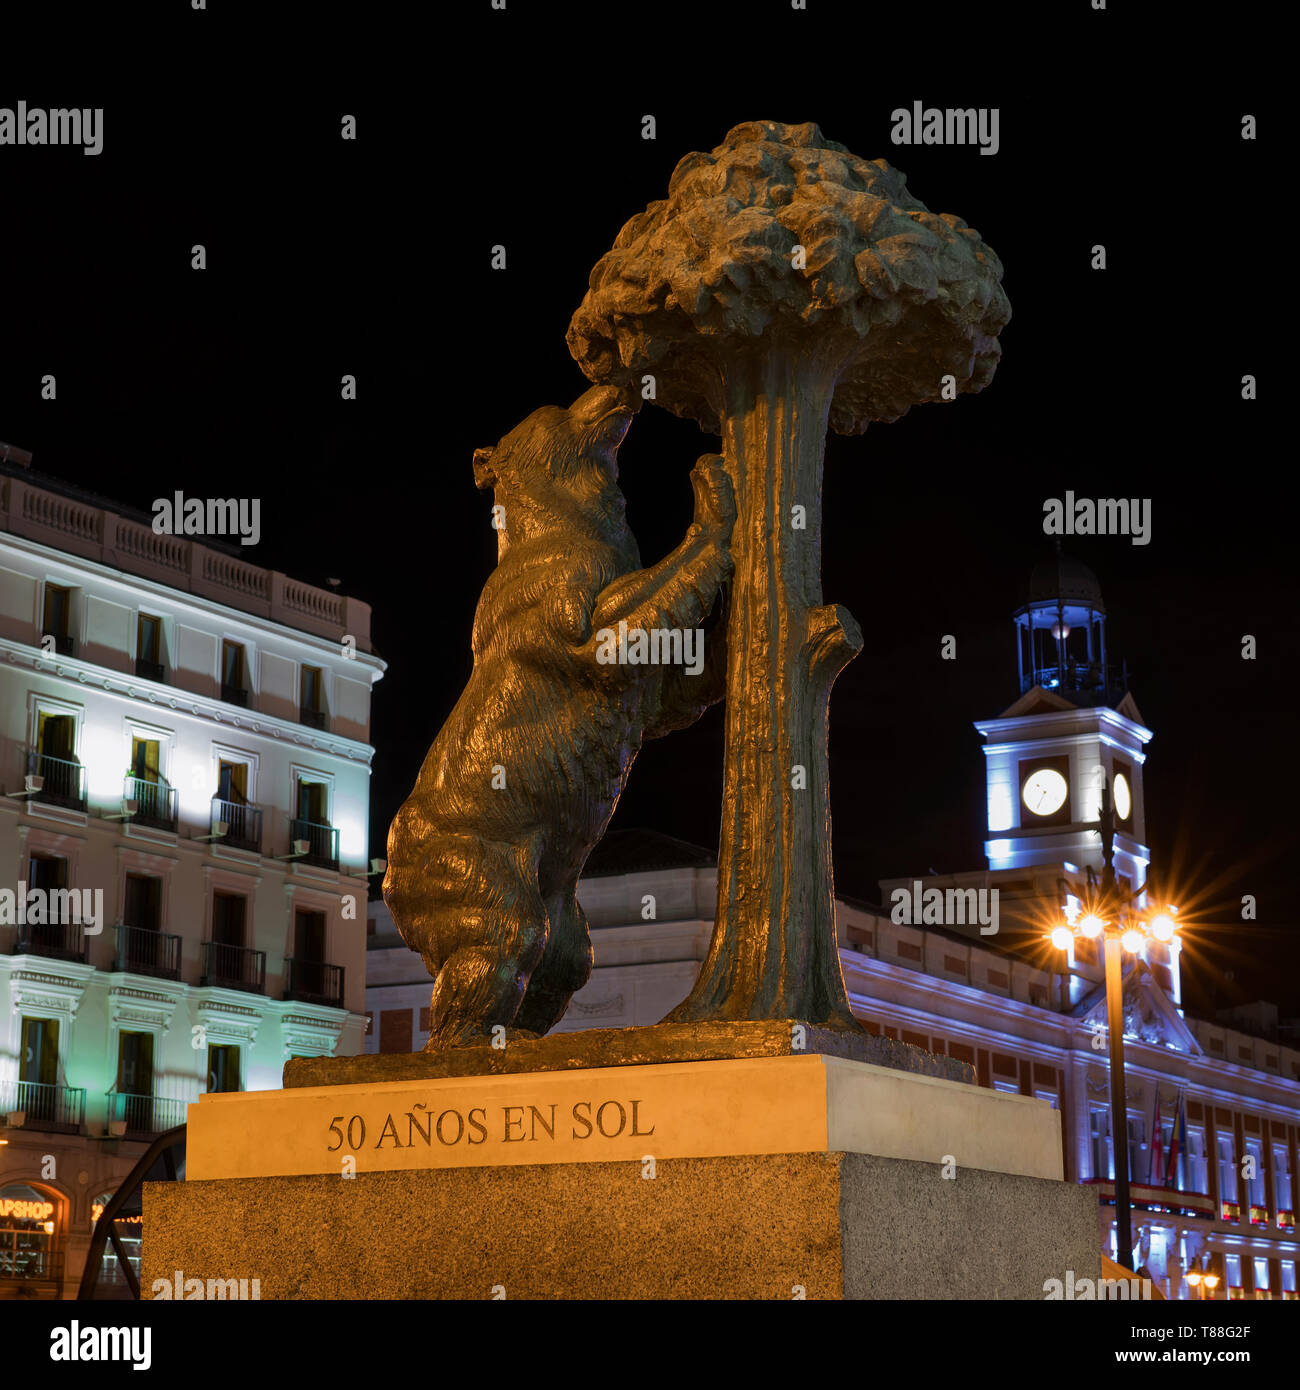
[[63, 780], [314, 718], [234, 695], [150, 670], [233, 967], [313, 982], [44, 1107], [155, 802], [144, 1115], [64, 644], [322, 841], [54, 940], [243, 823], [145, 951]]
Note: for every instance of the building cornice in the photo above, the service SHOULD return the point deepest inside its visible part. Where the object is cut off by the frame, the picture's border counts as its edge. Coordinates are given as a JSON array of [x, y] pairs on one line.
[[149, 693]]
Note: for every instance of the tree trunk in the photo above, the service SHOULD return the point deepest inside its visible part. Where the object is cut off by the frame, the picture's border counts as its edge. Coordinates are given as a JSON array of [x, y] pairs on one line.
[[773, 953]]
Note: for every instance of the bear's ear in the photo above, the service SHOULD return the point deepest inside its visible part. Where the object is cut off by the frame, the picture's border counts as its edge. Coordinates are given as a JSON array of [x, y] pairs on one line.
[[484, 474]]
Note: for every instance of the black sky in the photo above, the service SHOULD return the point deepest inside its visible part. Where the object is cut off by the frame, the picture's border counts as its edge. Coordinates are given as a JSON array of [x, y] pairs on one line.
[[371, 257]]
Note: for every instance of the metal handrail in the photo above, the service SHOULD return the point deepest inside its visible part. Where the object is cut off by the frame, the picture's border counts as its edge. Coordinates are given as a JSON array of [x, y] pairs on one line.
[[106, 1227]]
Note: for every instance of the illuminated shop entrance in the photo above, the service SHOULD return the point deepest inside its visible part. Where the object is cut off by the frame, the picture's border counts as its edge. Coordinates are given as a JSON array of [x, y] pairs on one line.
[[31, 1237]]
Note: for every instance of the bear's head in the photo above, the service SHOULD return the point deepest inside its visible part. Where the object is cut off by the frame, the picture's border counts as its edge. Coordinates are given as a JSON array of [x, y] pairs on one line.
[[558, 470]]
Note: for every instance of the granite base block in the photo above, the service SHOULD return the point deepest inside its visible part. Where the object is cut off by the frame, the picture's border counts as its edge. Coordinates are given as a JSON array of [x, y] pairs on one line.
[[772, 1226]]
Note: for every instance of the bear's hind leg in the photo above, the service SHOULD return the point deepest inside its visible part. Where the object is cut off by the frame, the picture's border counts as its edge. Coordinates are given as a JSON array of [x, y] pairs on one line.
[[563, 970], [496, 948]]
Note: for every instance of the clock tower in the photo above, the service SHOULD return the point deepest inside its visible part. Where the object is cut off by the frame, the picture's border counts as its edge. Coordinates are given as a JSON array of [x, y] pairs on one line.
[[1074, 724]]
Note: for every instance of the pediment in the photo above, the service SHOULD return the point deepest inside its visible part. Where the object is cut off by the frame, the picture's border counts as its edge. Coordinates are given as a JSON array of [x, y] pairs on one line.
[[1150, 1016]]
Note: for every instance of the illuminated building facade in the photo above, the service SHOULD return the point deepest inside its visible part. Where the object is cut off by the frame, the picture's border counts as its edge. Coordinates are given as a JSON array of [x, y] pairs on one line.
[[184, 754]]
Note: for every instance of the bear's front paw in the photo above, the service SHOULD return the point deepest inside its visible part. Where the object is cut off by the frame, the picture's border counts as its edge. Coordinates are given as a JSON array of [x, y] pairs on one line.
[[715, 500]]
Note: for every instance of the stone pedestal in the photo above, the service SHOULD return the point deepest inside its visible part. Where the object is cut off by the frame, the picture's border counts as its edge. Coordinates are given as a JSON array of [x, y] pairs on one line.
[[762, 1177]]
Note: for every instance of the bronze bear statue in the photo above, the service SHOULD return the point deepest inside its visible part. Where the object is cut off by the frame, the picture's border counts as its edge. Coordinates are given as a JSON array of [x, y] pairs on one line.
[[484, 855]]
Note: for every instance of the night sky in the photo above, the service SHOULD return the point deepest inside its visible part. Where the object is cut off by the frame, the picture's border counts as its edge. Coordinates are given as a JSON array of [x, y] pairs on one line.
[[372, 258]]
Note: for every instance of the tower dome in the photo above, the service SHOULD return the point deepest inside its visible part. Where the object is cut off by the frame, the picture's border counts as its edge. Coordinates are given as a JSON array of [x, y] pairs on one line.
[[1063, 577], [1061, 634]]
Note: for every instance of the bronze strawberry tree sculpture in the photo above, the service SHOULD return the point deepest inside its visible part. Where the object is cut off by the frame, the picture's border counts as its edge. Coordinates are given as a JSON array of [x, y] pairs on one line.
[[785, 286]]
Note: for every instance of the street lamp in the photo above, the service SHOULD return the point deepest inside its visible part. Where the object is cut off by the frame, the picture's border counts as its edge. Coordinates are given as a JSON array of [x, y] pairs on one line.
[[1211, 1283], [1194, 1279], [1114, 918]]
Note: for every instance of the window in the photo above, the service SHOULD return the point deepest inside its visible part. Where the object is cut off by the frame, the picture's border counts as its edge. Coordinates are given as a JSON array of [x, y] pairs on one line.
[[1009, 1088], [47, 872], [142, 902], [1261, 1276], [233, 670], [223, 1067], [30, 1238], [313, 802], [146, 759], [1195, 1177], [1229, 1210], [1232, 1268], [1099, 1123], [395, 1030], [232, 782], [1049, 1096], [38, 1069], [1288, 1279], [1255, 1185], [56, 735], [312, 690], [228, 914], [149, 647], [56, 759], [1282, 1177], [57, 619], [135, 1066]]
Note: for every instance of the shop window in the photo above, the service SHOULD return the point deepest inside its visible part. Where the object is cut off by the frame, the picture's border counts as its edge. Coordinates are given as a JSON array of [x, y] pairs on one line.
[[31, 1238]]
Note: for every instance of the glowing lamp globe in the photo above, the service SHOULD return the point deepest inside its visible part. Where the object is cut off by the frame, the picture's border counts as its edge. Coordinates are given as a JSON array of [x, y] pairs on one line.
[[1061, 938], [1162, 928], [1131, 940], [1091, 925]]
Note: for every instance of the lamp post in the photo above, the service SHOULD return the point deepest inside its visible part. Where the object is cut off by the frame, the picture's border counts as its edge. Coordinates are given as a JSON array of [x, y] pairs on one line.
[[1113, 918]]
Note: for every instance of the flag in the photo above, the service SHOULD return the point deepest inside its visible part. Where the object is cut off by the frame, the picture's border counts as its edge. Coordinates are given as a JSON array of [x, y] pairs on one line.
[[1156, 1154], [1177, 1142]]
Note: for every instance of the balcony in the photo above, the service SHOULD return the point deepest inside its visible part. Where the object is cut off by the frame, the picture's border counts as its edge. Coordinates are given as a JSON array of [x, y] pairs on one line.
[[144, 1116], [1155, 1198], [234, 695], [54, 940], [243, 824], [314, 718], [151, 670], [233, 967], [146, 951], [64, 645], [322, 841], [64, 780], [58, 1109], [155, 802], [313, 982]]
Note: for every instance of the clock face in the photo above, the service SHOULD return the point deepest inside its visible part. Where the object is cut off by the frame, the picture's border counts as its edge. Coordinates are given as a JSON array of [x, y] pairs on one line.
[[1045, 791], [1123, 797]]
